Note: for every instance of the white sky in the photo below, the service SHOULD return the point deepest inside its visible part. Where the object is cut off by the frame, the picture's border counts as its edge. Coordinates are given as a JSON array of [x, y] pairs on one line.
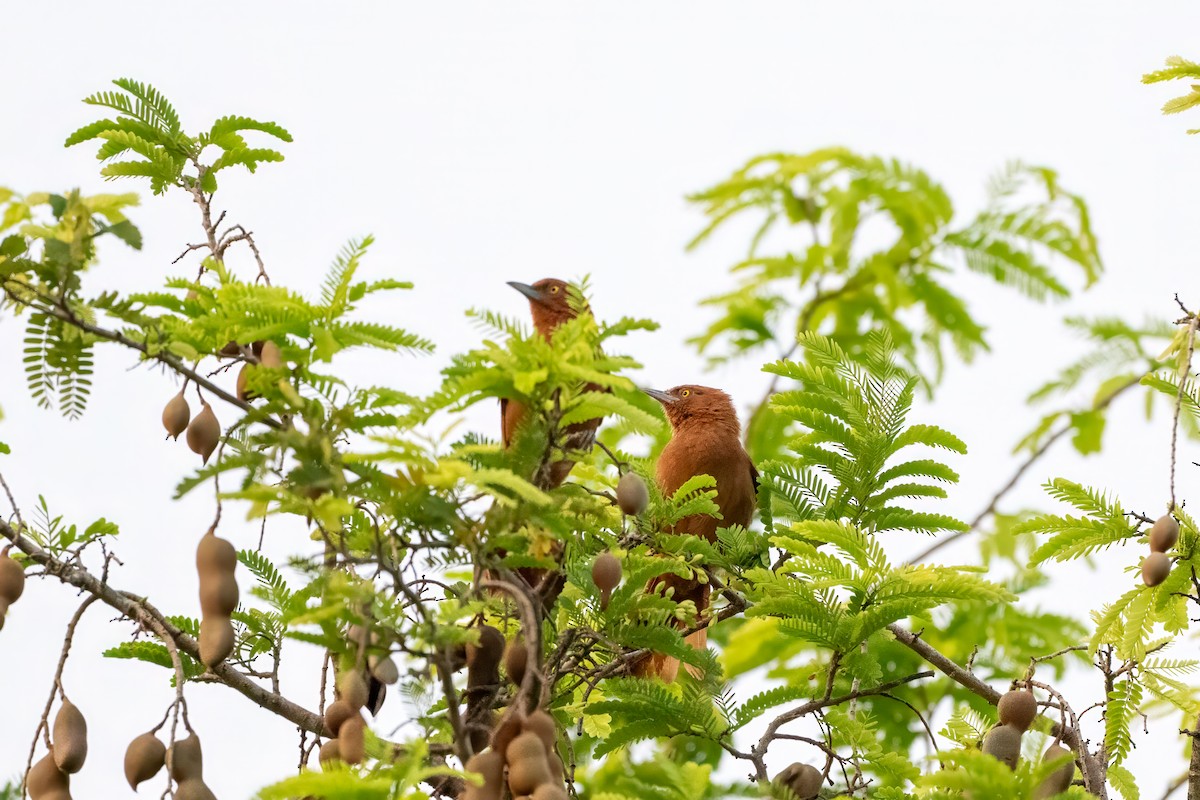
[[485, 142]]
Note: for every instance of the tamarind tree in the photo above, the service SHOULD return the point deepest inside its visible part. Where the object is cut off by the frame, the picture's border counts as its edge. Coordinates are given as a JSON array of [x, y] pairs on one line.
[[508, 610]]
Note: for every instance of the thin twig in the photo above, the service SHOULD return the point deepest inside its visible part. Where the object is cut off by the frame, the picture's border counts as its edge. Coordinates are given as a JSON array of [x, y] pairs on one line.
[[1187, 368], [1032, 459], [43, 726]]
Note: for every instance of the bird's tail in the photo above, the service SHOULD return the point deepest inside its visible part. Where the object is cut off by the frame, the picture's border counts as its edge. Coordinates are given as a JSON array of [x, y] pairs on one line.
[[666, 667]]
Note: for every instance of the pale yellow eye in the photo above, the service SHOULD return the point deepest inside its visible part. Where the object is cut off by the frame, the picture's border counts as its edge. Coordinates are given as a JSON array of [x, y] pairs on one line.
[[685, 393], [553, 290]]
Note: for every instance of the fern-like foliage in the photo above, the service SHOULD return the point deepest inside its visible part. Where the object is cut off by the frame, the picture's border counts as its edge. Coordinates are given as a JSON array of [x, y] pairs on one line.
[[846, 463], [823, 274], [848, 483], [147, 133], [1178, 69]]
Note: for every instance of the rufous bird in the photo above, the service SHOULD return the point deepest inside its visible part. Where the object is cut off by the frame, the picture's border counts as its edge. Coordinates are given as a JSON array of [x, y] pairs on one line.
[[705, 440], [550, 305]]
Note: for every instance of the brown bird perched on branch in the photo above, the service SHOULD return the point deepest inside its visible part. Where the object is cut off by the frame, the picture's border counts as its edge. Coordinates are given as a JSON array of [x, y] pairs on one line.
[[551, 306], [705, 440]]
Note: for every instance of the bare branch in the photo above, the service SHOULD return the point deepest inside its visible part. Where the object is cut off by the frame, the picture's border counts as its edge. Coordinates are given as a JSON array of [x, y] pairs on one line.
[[143, 613]]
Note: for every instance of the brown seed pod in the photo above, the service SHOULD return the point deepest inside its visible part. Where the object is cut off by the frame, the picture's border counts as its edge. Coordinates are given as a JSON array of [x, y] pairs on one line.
[[803, 780], [256, 347], [70, 738], [185, 759], [204, 434], [45, 779], [330, 752], [230, 350], [483, 659], [1060, 779], [456, 656], [218, 594], [271, 356], [144, 757], [528, 767], [12, 579], [542, 724], [1003, 743], [491, 766], [632, 495], [508, 729], [243, 393], [175, 415], [3, 611], [515, 659], [352, 688], [351, 740], [215, 554], [1164, 533], [217, 638], [1017, 709], [336, 713], [1155, 568], [193, 789], [606, 574], [384, 669], [376, 694]]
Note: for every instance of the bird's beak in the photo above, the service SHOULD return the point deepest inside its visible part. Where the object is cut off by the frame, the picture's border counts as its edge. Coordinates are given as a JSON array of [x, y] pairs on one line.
[[527, 290], [662, 397]]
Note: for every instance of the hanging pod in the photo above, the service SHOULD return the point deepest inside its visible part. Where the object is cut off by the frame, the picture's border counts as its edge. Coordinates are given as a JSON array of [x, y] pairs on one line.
[[204, 433], [1018, 709], [70, 738], [144, 757], [632, 495], [175, 415]]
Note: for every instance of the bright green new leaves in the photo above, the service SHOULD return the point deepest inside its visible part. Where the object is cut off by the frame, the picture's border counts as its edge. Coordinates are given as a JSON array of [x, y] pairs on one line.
[[1178, 69], [400, 779], [845, 465], [40, 262], [835, 588], [201, 319], [875, 241], [643, 709], [148, 134], [1074, 537]]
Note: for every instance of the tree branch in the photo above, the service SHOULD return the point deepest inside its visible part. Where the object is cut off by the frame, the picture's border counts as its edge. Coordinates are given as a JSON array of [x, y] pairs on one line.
[[176, 364], [1093, 768], [1033, 458], [142, 612]]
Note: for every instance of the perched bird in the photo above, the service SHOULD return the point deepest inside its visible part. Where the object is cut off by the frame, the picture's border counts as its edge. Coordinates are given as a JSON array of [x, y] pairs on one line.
[[705, 440], [550, 305]]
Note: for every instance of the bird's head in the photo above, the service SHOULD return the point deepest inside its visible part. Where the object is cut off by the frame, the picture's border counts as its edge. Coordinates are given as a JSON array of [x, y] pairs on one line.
[[690, 404], [550, 301]]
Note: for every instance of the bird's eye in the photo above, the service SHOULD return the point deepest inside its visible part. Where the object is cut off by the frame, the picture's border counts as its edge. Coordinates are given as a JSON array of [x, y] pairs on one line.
[[553, 290], [685, 393]]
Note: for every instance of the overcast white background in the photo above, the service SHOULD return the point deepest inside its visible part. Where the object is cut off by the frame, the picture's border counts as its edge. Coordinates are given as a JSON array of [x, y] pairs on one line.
[[484, 142]]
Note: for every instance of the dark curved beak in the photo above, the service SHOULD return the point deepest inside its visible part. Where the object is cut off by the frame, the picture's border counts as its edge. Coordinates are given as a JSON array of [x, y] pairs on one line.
[[527, 290], [662, 397]]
